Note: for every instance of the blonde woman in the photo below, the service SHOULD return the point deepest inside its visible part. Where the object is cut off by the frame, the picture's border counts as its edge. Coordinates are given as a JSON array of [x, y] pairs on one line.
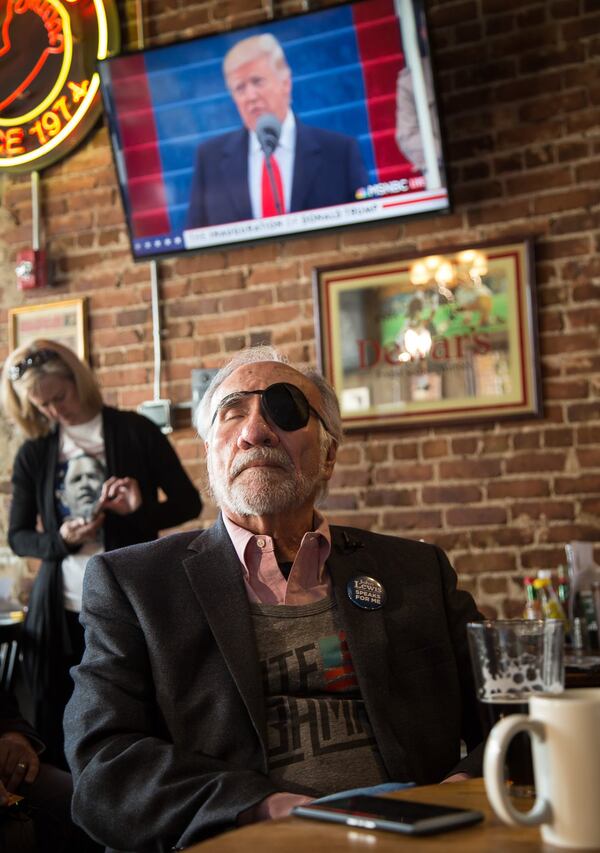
[[86, 480]]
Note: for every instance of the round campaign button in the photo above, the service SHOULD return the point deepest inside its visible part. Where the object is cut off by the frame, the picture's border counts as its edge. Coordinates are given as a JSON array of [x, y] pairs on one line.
[[366, 592]]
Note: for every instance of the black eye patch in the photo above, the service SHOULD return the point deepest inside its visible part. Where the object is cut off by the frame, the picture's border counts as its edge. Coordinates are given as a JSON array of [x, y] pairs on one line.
[[282, 403]]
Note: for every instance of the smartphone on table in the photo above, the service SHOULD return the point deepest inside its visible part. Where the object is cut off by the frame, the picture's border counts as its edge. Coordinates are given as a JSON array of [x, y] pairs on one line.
[[403, 816]]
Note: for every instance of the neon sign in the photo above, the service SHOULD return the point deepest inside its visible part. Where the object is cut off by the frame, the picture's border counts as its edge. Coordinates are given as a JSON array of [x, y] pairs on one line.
[[49, 86]]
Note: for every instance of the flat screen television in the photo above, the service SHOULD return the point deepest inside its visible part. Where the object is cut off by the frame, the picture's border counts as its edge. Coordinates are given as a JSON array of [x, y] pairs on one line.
[[311, 122]]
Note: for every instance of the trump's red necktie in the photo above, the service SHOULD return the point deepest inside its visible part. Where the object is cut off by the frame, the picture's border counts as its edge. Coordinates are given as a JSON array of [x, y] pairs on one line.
[[269, 207]]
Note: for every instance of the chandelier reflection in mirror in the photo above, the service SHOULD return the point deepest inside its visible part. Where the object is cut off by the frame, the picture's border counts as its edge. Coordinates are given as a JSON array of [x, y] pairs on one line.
[[452, 280], [431, 338]]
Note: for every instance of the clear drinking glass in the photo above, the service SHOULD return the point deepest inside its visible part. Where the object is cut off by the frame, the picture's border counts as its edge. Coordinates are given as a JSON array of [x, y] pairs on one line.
[[513, 659]]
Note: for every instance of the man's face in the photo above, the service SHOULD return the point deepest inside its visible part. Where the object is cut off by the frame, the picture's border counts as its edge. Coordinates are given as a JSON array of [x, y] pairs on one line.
[[254, 467], [258, 88], [82, 485]]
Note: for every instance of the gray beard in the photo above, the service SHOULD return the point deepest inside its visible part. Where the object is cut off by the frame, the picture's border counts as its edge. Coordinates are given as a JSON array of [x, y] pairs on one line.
[[270, 490]]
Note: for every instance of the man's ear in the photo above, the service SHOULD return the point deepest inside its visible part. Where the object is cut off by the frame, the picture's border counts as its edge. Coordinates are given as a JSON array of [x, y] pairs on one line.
[[329, 463]]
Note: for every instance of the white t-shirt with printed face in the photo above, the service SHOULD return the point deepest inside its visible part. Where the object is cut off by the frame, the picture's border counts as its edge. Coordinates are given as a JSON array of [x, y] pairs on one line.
[[79, 477]]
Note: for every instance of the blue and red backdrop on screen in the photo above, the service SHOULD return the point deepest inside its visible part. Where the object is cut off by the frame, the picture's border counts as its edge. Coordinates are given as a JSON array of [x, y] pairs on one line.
[[346, 64]]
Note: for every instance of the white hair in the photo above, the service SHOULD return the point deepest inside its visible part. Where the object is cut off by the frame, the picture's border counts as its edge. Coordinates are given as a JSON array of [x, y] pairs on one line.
[[252, 48], [330, 411]]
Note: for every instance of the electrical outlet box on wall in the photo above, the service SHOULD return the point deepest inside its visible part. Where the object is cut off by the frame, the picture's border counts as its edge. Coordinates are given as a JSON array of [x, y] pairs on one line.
[[201, 379], [158, 411]]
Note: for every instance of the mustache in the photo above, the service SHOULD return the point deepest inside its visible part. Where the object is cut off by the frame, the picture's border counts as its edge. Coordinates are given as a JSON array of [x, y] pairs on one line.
[[271, 455]]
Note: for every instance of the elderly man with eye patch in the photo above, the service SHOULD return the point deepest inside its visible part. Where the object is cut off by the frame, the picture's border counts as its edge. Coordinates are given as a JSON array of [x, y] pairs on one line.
[[233, 673]]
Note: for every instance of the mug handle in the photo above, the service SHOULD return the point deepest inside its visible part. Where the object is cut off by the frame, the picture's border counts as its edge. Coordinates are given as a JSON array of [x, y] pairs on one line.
[[493, 770]]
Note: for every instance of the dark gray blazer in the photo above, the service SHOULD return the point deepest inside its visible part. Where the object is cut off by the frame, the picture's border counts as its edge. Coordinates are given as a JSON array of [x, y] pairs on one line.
[[166, 730]]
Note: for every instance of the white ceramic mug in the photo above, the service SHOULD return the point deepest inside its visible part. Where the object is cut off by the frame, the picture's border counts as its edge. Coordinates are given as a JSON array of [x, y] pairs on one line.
[[565, 736]]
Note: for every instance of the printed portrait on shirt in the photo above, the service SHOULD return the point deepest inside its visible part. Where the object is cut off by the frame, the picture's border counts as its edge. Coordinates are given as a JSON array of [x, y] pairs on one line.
[[78, 486]]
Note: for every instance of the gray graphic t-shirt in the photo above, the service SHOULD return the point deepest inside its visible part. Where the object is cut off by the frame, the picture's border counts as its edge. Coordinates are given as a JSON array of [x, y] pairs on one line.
[[319, 734]]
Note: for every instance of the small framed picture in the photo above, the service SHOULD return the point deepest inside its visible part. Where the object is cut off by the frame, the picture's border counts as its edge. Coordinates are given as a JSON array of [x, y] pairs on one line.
[[64, 322]]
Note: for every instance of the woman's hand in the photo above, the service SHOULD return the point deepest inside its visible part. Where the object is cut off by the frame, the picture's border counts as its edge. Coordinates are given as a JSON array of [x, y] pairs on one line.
[[121, 495], [76, 531], [18, 761]]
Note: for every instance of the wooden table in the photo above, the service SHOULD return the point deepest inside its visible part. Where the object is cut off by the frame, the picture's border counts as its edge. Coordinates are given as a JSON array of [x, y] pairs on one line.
[[582, 671], [299, 835], [11, 617]]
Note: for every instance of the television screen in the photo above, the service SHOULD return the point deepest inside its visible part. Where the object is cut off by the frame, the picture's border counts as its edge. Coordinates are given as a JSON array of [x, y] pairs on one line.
[[317, 121]]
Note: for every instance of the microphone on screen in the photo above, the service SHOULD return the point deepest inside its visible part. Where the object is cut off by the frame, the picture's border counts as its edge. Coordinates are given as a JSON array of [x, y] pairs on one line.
[[268, 131]]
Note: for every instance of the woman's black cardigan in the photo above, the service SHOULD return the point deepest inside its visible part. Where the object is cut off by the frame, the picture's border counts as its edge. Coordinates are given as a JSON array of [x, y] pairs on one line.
[[135, 447]]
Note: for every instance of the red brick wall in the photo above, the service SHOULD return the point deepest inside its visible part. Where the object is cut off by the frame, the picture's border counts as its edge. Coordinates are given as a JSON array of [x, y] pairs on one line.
[[519, 86]]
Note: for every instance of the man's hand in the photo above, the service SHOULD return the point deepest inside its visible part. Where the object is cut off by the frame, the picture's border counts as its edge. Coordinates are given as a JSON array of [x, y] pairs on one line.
[[272, 807], [76, 531], [18, 763], [121, 495], [456, 777]]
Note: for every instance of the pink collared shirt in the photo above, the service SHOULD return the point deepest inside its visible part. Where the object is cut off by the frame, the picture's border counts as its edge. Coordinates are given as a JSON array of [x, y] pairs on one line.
[[265, 584], [308, 581]]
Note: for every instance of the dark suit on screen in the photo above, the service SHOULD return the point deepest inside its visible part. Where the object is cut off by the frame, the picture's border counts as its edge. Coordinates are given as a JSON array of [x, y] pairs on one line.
[[328, 170], [166, 730]]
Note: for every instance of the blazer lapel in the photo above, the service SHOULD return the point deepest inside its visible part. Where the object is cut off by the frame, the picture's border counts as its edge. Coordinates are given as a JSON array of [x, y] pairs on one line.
[[368, 643], [233, 169], [307, 159], [216, 578]]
